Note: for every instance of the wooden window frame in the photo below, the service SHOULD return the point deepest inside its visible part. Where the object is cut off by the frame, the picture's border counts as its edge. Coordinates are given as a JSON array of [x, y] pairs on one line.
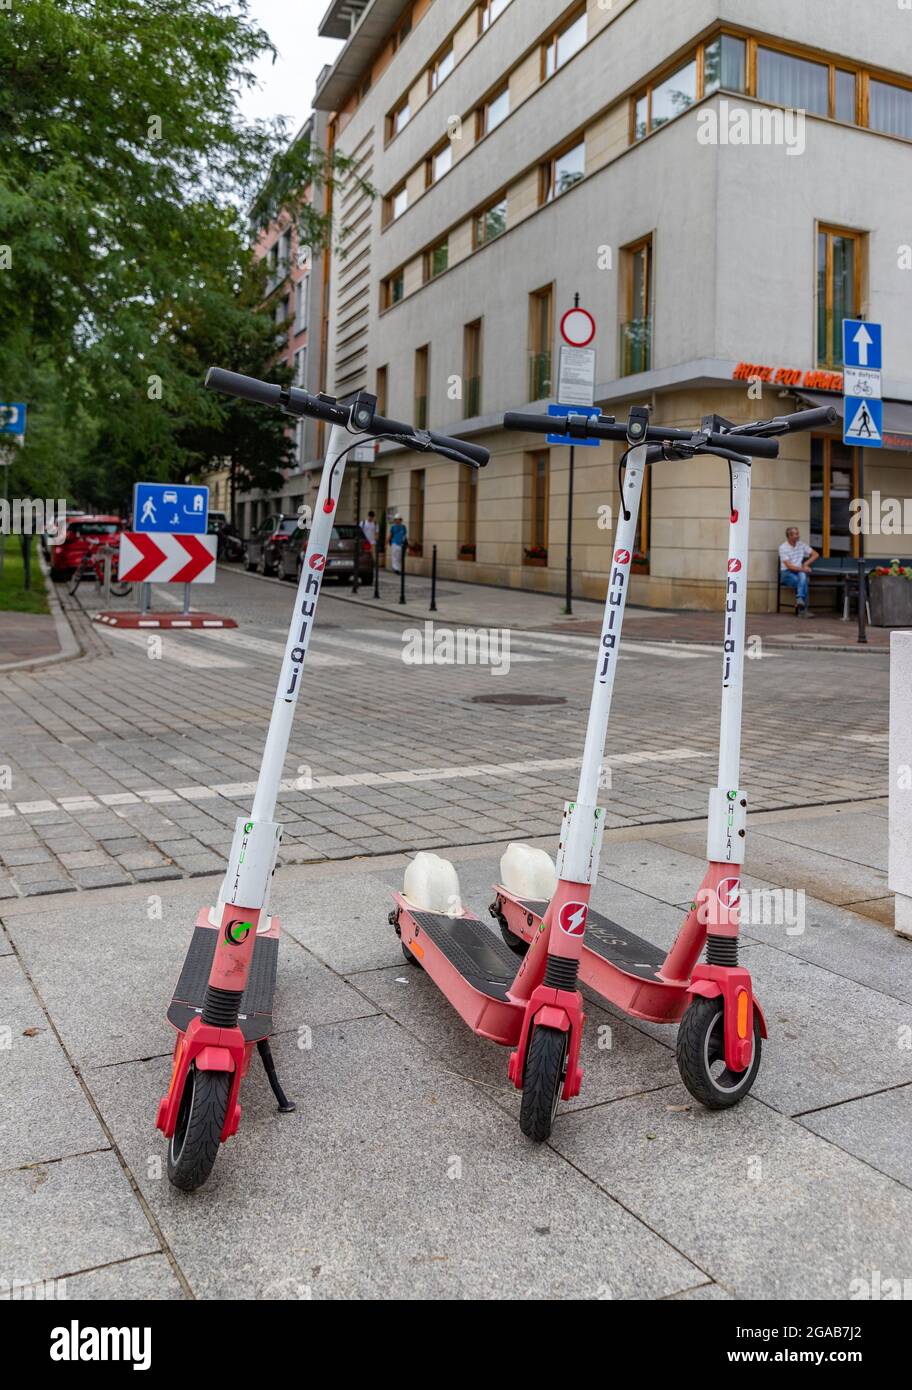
[[828, 440], [829, 230], [559, 29], [477, 243], [546, 179]]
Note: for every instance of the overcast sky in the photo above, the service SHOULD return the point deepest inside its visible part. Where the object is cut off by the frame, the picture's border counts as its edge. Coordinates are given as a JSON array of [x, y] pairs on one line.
[[285, 87]]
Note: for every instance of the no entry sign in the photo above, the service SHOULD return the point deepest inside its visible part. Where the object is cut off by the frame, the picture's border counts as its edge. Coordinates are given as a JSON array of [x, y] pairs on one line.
[[577, 328], [159, 558]]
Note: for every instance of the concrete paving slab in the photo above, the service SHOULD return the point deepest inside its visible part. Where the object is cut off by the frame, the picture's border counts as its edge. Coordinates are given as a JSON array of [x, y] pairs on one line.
[[137, 1280], [119, 944], [73, 1214], [856, 836], [654, 868], [765, 1208], [830, 1039], [44, 1113], [876, 1129], [358, 1194], [705, 1293], [845, 943], [341, 917]]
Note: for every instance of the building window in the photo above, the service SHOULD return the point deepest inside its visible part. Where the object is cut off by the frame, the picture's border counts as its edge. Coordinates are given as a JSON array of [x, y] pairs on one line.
[[838, 290], [489, 223], [468, 513], [396, 204], [439, 163], [393, 289], [541, 330], [488, 11], [725, 64], [302, 292], [472, 368], [495, 110], [635, 354], [890, 108], [793, 82], [845, 96], [416, 511], [441, 68], [562, 45], [381, 390], [437, 260], [398, 119], [538, 475], [300, 367], [834, 482], [562, 172], [422, 376]]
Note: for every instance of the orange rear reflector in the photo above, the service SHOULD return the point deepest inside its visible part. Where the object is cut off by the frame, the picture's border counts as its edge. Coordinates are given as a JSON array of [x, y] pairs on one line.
[[742, 1013]]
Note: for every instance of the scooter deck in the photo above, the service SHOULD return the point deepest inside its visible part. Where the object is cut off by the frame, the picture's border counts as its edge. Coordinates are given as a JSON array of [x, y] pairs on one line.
[[255, 1020], [482, 960], [611, 941]]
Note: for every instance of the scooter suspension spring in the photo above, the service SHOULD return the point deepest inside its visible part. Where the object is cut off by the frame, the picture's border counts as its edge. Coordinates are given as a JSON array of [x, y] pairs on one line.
[[561, 973], [721, 950], [221, 1007]]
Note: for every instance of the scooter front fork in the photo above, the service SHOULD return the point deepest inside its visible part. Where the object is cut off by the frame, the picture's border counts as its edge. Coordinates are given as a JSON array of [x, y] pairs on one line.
[[732, 983], [560, 1009], [211, 1049]]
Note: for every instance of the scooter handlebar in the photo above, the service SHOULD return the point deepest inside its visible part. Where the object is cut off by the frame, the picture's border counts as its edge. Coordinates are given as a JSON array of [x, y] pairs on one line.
[[594, 427], [809, 419], [298, 402]]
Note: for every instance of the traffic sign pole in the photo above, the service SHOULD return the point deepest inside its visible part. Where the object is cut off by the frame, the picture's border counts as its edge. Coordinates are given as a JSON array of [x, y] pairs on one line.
[[862, 355]]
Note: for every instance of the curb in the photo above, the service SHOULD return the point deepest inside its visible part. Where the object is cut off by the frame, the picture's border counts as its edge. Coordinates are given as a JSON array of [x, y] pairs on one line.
[[70, 647]]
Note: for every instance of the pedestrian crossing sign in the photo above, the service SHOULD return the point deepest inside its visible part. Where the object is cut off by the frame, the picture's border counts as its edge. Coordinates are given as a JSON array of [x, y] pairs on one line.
[[863, 422]]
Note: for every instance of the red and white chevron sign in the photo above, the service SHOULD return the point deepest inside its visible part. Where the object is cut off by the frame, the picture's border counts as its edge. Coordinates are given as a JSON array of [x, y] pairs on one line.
[[155, 557]]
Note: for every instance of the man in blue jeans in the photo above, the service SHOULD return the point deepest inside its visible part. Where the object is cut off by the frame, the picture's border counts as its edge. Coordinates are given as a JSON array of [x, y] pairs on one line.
[[795, 560]]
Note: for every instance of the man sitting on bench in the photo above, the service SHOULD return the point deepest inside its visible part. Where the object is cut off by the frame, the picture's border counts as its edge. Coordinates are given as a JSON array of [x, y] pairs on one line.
[[795, 560]]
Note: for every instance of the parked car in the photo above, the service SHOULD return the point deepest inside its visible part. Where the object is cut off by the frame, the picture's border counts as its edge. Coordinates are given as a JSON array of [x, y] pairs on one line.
[[345, 542], [266, 544], [56, 527], [83, 533], [230, 545]]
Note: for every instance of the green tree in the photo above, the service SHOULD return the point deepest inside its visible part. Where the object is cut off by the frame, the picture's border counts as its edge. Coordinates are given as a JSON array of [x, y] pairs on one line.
[[129, 187]]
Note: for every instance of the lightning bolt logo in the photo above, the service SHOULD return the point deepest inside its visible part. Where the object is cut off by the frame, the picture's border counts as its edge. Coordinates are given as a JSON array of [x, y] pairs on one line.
[[572, 918]]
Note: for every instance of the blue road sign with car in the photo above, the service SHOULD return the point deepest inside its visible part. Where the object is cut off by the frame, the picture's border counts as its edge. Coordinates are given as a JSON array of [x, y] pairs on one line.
[[862, 344], [565, 410], [12, 417], [174, 508]]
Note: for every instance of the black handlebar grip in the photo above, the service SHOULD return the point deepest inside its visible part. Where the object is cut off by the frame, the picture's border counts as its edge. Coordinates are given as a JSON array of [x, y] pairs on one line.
[[752, 444], [249, 388], [810, 419], [541, 424]]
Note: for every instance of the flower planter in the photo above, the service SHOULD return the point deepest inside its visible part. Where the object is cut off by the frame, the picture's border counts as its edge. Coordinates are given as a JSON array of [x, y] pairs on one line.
[[891, 601]]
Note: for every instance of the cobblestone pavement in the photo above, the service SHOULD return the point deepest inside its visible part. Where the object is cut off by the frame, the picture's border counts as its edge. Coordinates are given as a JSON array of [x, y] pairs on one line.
[[132, 762]]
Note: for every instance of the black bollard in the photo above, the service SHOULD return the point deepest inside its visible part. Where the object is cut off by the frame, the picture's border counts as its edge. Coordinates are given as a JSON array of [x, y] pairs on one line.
[[433, 608]]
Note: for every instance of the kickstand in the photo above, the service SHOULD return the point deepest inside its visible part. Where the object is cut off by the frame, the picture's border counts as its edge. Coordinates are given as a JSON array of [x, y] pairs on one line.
[[286, 1106]]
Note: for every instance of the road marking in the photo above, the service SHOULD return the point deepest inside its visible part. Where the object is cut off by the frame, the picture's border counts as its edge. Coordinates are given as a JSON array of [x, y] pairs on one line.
[[233, 790], [172, 650], [262, 646]]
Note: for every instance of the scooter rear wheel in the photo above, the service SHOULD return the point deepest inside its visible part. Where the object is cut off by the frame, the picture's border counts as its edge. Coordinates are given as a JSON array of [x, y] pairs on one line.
[[546, 1067], [195, 1142], [701, 1056]]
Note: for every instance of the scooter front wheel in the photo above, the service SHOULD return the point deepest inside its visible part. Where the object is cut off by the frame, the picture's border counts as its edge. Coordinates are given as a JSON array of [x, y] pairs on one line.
[[546, 1068], [701, 1056], [197, 1134]]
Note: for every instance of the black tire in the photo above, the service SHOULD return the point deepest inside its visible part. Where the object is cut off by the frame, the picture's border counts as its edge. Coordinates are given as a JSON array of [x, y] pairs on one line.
[[410, 957], [119, 590], [194, 1144], [546, 1066], [61, 576], [701, 1056], [250, 566], [517, 945]]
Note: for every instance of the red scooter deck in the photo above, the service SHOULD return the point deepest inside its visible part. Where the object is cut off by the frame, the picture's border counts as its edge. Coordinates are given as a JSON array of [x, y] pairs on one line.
[[255, 1019]]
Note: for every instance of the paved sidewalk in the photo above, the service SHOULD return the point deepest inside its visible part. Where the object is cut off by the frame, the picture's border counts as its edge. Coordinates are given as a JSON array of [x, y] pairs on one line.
[[403, 1167]]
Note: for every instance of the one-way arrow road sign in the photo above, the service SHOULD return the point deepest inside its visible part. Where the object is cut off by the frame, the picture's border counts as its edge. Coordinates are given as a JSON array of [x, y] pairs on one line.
[[156, 558]]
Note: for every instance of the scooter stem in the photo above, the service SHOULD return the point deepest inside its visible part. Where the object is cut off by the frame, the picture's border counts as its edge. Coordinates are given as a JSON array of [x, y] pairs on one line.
[[612, 623], [735, 628], [301, 627]]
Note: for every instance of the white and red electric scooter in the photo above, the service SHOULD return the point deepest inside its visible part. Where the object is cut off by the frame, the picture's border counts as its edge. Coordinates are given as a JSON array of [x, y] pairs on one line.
[[222, 1005], [544, 911]]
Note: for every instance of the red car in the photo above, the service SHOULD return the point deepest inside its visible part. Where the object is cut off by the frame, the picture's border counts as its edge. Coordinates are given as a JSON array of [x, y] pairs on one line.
[[83, 533]]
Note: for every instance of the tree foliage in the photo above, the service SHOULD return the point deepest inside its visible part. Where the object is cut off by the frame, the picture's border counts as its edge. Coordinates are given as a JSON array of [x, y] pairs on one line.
[[129, 189]]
